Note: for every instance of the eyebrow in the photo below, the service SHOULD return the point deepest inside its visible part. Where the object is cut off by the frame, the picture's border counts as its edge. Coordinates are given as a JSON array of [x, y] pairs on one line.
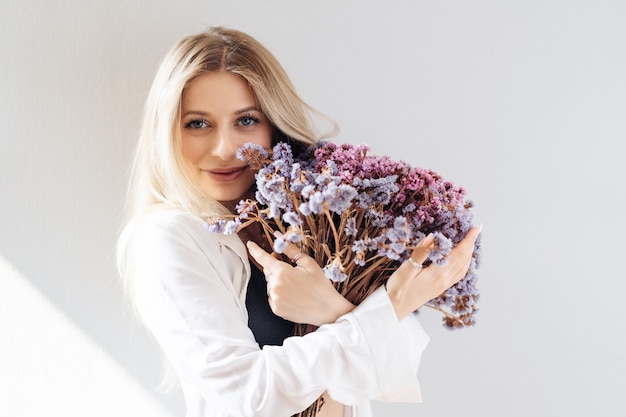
[[203, 113]]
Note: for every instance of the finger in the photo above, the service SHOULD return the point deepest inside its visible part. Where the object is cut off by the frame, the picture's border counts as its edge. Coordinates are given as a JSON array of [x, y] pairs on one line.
[[461, 255], [291, 250], [260, 255], [413, 266], [472, 235], [467, 243], [295, 255], [420, 253]]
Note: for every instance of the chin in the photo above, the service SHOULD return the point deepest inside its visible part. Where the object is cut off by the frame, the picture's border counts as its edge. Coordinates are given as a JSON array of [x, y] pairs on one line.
[[226, 195]]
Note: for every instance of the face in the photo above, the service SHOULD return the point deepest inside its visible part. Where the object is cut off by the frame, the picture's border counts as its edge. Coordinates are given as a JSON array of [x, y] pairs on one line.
[[219, 114]]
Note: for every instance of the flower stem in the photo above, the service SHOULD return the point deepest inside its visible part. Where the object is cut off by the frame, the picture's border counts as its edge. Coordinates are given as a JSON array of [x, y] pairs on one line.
[[334, 230]]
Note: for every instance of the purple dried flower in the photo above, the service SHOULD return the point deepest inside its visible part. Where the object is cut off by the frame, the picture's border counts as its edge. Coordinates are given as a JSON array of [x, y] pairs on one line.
[[214, 225], [378, 219], [245, 208], [305, 209], [254, 154], [443, 246], [334, 271], [231, 226], [292, 218], [293, 236], [307, 190], [339, 198], [315, 204], [408, 208], [350, 228], [282, 153], [388, 252], [398, 247], [282, 167], [280, 244]]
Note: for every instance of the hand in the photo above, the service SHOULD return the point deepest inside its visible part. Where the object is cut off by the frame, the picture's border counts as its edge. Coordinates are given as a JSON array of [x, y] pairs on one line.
[[409, 287], [299, 293]]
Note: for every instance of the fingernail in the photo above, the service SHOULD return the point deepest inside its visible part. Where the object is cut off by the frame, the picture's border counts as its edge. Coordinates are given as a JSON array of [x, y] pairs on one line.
[[428, 239]]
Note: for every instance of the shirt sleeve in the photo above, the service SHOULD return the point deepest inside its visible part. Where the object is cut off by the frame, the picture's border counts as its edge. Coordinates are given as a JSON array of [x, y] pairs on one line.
[[186, 296]]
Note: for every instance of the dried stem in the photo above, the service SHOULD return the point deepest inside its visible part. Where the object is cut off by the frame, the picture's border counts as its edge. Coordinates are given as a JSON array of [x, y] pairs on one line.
[[333, 229]]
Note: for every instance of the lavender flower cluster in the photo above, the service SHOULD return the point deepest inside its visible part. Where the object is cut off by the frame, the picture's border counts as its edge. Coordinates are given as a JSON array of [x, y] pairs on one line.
[[359, 216]]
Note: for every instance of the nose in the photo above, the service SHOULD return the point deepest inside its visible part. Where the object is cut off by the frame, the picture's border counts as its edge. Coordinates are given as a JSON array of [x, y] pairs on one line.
[[225, 146]]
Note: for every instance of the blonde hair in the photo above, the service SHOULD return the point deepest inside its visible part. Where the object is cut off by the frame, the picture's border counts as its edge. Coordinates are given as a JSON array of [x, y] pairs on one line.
[[158, 173]]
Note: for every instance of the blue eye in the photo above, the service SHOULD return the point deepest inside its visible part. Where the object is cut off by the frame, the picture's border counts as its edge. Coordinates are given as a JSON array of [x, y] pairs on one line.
[[248, 120], [196, 124]]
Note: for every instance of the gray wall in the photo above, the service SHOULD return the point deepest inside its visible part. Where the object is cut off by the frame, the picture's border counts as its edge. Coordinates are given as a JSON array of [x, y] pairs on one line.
[[524, 103]]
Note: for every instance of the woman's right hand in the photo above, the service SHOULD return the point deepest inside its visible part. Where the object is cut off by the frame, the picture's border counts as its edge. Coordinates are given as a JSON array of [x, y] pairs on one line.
[[409, 287], [299, 292]]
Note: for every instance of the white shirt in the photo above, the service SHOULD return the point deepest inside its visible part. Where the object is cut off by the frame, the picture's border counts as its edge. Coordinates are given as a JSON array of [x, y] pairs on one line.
[[190, 290]]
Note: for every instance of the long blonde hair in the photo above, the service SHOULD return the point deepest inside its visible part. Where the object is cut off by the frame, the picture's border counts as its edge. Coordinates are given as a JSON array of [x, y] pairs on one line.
[[158, 173]]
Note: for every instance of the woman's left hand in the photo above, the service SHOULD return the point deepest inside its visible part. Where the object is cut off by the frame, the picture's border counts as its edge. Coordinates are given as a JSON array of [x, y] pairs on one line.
[[300, 293]]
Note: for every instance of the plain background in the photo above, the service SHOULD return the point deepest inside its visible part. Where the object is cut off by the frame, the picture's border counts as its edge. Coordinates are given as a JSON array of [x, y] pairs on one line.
[[522, 102]]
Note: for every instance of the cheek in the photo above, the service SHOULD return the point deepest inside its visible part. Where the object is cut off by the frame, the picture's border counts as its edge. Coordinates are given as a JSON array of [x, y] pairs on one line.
[[190, 149], [250, 179], [264, 138]]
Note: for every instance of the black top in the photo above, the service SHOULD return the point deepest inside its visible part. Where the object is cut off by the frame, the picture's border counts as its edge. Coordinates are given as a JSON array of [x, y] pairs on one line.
[[268, 328]]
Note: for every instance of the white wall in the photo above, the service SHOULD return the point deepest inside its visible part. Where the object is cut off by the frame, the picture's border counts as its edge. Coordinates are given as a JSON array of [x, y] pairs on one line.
[[522, 102]]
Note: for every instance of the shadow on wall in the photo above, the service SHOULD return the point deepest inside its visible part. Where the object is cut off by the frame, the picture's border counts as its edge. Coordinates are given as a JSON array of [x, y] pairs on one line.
[[61, 239], [49, 356]]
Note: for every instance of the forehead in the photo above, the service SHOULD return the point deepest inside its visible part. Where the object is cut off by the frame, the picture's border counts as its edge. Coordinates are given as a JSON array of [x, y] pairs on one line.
[[218, 90]]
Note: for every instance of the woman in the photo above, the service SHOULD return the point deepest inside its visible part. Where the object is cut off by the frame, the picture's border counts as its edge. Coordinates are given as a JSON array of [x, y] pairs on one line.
[[204, 296]]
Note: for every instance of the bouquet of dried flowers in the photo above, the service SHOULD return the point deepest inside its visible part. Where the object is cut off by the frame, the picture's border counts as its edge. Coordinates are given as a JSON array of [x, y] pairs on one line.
[[359, 216]]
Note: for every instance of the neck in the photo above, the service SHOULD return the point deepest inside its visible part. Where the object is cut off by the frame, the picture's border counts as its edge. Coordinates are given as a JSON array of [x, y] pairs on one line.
[[231, 205]]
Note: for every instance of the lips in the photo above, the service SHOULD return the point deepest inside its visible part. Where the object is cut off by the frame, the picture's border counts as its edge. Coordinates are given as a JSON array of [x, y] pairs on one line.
[[225, 174]]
